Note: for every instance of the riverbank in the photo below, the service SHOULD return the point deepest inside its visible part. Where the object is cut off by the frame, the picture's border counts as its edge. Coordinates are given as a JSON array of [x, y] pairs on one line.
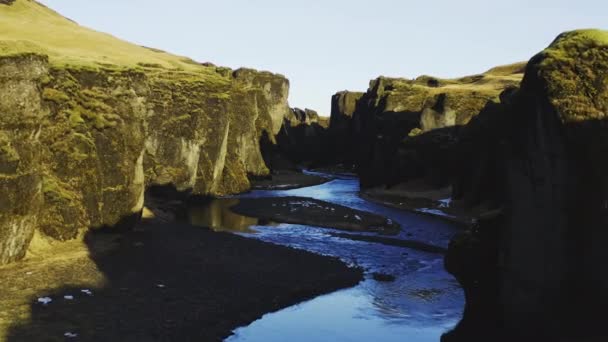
[[164, 281], [436, 203], [308, 211], [287, 180]]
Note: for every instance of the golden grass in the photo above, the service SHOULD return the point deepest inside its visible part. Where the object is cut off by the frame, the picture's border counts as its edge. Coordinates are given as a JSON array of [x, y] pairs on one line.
[[29, 27]]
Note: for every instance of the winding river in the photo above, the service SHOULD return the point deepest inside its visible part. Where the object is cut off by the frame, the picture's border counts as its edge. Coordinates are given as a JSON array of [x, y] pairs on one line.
[[424, 301]]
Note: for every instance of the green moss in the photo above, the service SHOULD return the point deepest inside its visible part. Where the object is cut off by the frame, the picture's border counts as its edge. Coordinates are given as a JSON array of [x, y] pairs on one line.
[[441, 101], [575, 68], [176, 120], [54, 95], [75, 118], [56, 191], [8, 153], [415, 132]]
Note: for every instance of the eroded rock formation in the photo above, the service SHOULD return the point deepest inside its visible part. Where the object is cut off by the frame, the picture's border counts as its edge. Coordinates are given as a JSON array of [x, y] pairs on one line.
[[301, 141], [398, 125], [548, 140], [89, 122], [343, 106]]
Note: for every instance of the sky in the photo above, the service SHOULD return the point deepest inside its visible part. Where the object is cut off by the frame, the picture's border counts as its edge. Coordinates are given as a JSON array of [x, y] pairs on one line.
[[325, 46]]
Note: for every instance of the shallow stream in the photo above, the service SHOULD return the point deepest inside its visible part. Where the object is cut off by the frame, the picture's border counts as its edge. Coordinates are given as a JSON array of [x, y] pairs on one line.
[[422, 303]]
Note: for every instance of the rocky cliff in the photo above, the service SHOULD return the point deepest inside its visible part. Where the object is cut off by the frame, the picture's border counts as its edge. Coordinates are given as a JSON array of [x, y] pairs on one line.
[[543, 262], [397, 119], [343, 106], [89, 122], [301, 141]]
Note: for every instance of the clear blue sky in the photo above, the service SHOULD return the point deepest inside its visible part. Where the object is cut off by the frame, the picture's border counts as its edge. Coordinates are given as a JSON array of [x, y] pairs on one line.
[[324, 46]]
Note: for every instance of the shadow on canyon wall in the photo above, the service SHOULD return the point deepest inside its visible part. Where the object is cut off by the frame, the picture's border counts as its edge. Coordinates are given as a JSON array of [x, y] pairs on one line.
[[536, 271], [303, 145]]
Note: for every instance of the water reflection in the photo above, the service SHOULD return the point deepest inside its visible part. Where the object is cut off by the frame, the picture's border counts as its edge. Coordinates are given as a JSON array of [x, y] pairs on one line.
[[216, 214], [340, 316], [420, 305]]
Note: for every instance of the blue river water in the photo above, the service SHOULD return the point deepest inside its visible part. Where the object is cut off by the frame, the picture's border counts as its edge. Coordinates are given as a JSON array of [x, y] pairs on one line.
[[420, 305]]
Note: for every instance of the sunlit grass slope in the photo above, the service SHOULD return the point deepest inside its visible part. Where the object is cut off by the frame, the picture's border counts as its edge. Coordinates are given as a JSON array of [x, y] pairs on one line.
[[27, 26]]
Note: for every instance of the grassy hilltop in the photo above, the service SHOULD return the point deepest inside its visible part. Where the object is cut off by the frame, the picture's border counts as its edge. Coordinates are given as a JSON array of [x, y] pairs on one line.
[[30, 27]]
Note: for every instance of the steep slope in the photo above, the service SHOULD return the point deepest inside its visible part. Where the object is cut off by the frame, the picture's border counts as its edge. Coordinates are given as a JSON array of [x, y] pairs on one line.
[[537, 271], [89, 121], [301, 142], [343, 106], [398, 124]]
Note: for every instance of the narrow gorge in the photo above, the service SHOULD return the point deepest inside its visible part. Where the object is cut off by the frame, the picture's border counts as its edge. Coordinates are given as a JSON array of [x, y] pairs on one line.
[[146, 196]]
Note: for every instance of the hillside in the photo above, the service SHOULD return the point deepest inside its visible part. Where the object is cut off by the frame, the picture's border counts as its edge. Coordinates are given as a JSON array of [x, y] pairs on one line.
[[30, 27], [89, 122]]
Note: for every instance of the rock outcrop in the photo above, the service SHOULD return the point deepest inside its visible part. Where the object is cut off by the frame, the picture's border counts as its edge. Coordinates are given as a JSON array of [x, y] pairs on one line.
[[549, 140], [301, 141], [343, 106], [398, 124], [89, 122]]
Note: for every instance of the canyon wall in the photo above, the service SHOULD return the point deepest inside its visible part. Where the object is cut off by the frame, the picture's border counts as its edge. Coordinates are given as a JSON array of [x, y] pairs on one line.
[[402, 129], [525, 145], [300, 143], [84, 132], [543, 258], [343, 106]]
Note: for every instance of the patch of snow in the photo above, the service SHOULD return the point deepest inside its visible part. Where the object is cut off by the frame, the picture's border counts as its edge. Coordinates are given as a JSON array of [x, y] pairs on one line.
[[358, 217], [68, 297], [44, 300], [160, 286], [433, 212], [87, 291], [445, 203], [70, 335]]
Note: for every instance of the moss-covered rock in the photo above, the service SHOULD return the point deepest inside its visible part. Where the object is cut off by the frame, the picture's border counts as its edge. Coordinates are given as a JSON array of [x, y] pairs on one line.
[[301, 141], [393, 112], [89, 121], [545, 145], [343, 106], [20, 152]]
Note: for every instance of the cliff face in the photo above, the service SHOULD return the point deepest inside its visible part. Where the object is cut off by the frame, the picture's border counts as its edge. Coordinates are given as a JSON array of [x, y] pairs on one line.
[[20, 157], [550, 138], [343, 106], [300, 142], [89, 121], [393, 113], [214, 144]]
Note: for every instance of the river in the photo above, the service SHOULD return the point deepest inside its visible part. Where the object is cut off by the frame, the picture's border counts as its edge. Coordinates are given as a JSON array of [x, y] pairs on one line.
[[422, 303]]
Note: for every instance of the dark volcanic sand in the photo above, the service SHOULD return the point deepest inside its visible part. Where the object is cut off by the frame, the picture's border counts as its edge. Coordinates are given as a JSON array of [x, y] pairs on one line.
[[308, 211], [287, 180], [173, 282], [417, 205]]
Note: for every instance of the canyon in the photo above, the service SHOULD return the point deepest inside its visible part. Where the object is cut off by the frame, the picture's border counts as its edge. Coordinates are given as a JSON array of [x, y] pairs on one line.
[[98, 135]]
